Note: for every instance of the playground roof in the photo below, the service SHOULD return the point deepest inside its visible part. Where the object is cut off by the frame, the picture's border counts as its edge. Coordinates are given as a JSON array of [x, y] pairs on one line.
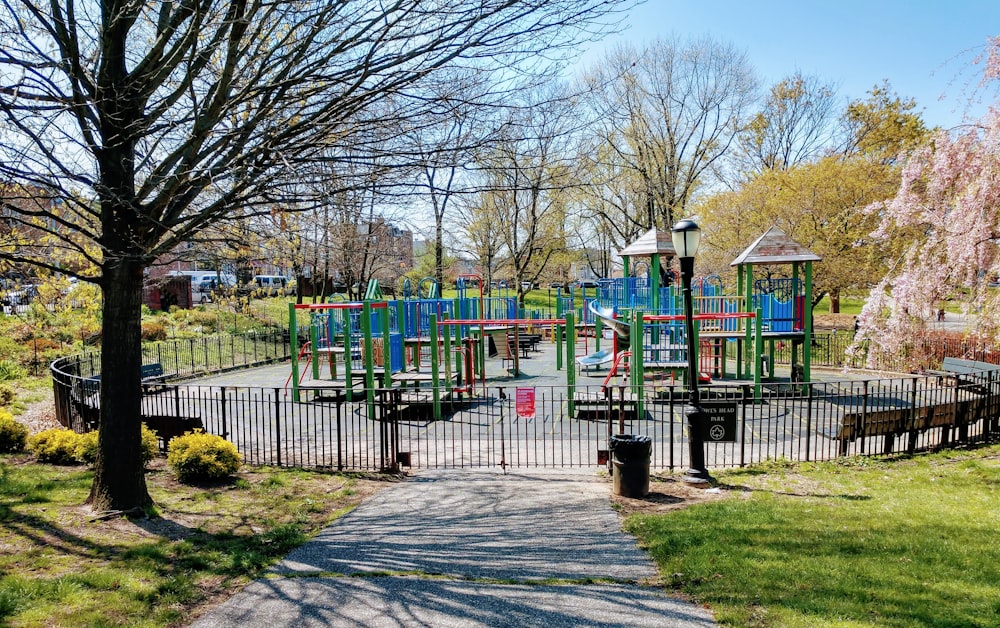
[[775, 247], [653, 241]]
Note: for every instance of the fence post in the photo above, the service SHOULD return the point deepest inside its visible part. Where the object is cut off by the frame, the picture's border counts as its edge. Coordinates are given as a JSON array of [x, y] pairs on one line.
[[745, 396], [809, 417], [911, 444], [277, 426], [340, 432], [224, 413]]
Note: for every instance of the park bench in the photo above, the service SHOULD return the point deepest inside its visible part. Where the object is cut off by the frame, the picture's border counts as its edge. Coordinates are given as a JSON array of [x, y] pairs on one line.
[[970, 375], [152, 376], [956, 414]]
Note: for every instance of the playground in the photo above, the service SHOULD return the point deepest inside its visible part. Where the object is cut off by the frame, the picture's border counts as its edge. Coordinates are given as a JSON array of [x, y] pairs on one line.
[[477, 380], [442, 352]]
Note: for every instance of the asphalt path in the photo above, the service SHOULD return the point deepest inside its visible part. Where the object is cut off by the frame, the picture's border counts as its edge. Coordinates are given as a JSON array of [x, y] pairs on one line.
[[467, 548]]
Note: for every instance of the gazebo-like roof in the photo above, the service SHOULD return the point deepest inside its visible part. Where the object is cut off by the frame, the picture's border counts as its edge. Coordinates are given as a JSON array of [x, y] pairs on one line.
[[775, 247], [650, 243]]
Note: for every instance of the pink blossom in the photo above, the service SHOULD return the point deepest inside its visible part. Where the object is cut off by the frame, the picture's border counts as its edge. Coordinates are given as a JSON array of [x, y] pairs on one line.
[[950, 191]]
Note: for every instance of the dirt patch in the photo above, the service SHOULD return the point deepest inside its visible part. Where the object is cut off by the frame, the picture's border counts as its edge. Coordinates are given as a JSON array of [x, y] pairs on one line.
[[666, 494], [39, 415], [834, 321]]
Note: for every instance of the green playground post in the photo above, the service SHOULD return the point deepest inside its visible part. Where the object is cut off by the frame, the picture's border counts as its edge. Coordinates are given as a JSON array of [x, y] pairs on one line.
[[313, 346], [638, 376], [654, 285], [348, 358], [447, 348], [559, 340], [807, 342], [758, 351], [366, 330], [570, 361], [293, 342], [386, 349], [751, 359], [435, 384]]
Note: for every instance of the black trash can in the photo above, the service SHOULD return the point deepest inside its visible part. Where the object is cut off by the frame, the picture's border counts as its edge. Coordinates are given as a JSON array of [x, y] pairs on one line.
[[630, 464]]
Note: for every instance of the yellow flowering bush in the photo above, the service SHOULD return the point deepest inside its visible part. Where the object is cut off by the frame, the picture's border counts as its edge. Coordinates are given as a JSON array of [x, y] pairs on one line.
[[201, 456], [55, 446], [13, 435]]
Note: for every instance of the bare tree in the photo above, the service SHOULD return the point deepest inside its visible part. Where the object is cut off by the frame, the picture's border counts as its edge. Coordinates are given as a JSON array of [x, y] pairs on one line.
[[150, 121], [796, 123], [523, 182], [666, 115]]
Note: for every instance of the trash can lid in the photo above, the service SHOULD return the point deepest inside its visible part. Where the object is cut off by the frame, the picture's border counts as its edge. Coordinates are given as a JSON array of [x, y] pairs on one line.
[[631, 438]]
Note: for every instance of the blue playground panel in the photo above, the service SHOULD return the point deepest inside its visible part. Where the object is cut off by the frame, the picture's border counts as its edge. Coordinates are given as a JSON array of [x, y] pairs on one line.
[[781, 303]]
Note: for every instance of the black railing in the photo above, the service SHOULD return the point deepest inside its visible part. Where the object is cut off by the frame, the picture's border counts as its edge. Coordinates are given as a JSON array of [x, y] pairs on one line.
[[805, 422], [75, 378], [563, 428]]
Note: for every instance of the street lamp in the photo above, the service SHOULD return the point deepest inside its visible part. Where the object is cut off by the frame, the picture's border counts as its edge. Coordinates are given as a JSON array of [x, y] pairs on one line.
[[686, 236]]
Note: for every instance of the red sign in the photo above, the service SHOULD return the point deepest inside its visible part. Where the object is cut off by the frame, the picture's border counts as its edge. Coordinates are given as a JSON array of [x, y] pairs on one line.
[[526, 403]]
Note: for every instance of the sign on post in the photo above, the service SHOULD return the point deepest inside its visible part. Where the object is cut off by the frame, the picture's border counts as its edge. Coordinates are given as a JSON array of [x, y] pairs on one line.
[[525, 403], [720, 422]]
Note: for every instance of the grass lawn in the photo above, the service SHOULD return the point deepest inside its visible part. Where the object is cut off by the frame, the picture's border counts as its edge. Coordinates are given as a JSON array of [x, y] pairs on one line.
[[60, 566], [859, 542]]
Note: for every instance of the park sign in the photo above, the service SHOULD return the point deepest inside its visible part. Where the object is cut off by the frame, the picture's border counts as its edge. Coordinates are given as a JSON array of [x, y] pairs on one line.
[[719, 421]]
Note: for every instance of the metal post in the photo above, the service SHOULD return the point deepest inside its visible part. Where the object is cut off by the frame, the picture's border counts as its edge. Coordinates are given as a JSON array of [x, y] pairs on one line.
[[696, 473]]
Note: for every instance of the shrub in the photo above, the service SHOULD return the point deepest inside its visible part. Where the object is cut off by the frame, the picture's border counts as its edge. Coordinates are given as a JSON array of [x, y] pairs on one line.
[[154, 330], [44, 344], [86, 450], [56, 446], [201, 456], [6, 395], [207, 320], [13, 435], [86, 447], [10, 370]]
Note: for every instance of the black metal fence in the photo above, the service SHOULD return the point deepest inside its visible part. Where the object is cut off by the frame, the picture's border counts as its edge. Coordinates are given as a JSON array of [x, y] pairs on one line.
[[925, 350], [802, 422], [75, 379]]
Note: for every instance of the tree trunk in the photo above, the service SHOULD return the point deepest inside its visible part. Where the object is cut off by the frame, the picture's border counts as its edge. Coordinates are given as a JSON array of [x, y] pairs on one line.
[[119, 479], [835, 302]]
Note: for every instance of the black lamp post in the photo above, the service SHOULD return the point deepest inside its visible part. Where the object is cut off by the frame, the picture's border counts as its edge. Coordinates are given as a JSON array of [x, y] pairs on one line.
[[686, 236]]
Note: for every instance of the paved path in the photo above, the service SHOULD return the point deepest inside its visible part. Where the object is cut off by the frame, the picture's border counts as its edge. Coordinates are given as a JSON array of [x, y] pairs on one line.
[[463, 549]]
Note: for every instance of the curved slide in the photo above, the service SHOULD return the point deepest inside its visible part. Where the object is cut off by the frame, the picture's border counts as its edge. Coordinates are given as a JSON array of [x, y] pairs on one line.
[[607, 316]]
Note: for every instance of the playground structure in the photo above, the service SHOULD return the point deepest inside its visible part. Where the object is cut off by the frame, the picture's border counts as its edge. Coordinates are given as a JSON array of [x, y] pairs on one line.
[[436, 349], [747, 324]]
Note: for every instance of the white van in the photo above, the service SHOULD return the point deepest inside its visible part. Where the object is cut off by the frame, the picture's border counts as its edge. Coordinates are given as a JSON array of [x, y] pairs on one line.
[[270, 285]]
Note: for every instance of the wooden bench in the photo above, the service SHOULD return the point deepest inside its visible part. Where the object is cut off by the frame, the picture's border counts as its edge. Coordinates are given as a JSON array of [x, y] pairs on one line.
[[889, 423]]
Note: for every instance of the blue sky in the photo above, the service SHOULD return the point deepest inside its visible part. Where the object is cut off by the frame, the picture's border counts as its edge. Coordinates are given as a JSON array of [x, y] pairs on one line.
[[924, 48]]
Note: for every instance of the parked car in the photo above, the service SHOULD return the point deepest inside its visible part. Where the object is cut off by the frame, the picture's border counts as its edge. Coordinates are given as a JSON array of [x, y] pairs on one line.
[[210, 283], [556, 284], [526, 285], [270, 285], [585, 283]]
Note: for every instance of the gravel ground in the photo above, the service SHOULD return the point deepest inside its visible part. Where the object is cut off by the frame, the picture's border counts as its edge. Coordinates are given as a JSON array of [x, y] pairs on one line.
[[39, 415]]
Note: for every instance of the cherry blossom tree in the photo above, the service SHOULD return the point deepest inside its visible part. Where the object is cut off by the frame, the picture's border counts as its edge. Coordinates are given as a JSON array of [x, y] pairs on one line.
[[950, 192]]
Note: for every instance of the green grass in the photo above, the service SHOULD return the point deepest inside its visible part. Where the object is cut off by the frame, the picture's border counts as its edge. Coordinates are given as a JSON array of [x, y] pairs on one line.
[[910, 542], [848, 305], [60, 567]]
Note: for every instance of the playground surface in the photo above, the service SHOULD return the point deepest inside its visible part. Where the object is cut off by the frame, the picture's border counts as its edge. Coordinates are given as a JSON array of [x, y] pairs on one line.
[[464, 549]]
